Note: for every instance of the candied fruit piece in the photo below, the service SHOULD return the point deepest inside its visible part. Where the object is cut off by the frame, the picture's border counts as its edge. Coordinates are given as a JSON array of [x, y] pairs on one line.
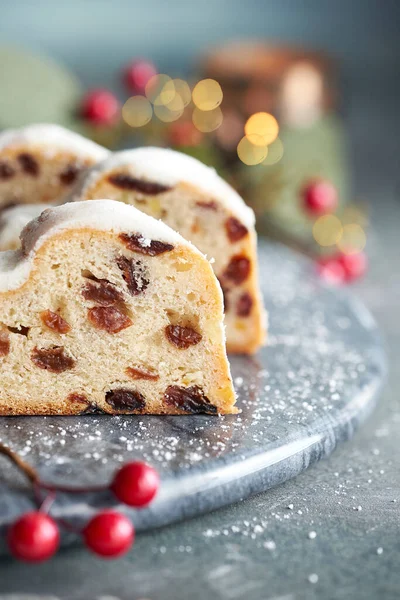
[[191, 399], [133, 273], [52, 359], [29, 164], [54, 321], [238, 269], [182, 337], [70, 174], [137, 243], [235, 230], [141, 373], [127, 182], [102, 292], [108, 318], [244, 305], [4, 343], [125, 399], [6, 171]]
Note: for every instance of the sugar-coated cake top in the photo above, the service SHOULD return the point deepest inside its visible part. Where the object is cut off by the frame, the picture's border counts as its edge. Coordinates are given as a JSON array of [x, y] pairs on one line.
[[168, 167], [105, 215], [14, 219], [53, 138]]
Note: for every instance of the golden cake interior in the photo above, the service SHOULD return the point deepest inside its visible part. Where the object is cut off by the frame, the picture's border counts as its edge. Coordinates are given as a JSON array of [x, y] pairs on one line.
[[33, 174], [215, 230], [107, 323]]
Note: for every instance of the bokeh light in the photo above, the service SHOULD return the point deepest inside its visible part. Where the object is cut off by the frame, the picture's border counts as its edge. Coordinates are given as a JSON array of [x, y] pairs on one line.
[[207, 94], [275, 152], [137, 111], [327, 230], [251, 151], [207, 121], [354, 213], [353, 239], [183, 90], [160, 90], [166, 115], [264, 125]]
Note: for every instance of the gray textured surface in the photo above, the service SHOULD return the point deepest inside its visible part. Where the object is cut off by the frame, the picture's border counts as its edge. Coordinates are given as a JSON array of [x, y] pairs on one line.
[[300, 396]]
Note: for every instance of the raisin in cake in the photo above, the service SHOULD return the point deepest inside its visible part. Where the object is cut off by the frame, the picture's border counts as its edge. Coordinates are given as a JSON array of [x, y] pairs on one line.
[[40, 163], [106, 309], [192, 199]]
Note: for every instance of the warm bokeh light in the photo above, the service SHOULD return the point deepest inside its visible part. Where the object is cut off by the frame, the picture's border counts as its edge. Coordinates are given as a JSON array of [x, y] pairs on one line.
[[353, 239], [251, 151], [137, 111], [183, 90], [207, 94], [160, 90], [263, 125], [327, 230], [207, 121], [275, 152], [166, 115], [231, 130]]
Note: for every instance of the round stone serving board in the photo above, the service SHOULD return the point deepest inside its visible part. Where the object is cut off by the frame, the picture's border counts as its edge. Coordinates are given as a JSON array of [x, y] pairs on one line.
[[300, 396]]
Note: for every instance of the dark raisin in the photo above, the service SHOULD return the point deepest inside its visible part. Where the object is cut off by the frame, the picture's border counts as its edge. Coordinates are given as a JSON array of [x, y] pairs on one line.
[[244, 305], [6, 170], [70, 174], [93, 409], [29, 164], [21, 330], [133, 273], [212, 205], [126, 400], [191, 399], [127, 182], [137, 243], [108, 318], [182, 337], [141, 373], [238, 269], [79, 398], [4, 343], [235, 230], [52, 359], [54, 322], [102, 292]]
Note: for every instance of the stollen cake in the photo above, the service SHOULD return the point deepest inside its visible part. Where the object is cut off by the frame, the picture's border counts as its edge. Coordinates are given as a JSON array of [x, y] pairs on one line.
[[40, 163], [192, 199], [107, 309]]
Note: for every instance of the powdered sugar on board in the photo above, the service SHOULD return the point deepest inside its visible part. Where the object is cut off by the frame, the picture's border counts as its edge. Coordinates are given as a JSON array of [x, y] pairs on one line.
[[299, 397]]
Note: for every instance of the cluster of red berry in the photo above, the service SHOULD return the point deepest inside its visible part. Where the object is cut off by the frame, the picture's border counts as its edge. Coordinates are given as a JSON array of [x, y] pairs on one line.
[[101, 107], [319, 198], [35, 536]]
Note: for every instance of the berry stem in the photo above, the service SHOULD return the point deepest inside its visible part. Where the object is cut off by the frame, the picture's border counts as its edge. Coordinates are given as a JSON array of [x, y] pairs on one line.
[[23, 466], [34, 478]]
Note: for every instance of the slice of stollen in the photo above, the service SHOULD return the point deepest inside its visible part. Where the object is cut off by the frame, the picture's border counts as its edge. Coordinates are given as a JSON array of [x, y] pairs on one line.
[[106, 309]]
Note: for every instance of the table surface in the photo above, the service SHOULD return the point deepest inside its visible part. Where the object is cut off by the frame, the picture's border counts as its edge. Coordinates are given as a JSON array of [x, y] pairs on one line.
[[331, 533]]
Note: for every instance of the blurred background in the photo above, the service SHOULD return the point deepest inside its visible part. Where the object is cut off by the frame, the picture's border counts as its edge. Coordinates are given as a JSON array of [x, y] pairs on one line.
[[327, 72]]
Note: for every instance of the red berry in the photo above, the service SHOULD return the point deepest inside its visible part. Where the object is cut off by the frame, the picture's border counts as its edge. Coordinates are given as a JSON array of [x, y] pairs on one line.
[[100, 107], [137, 74], [136, 484], [354, 265], [109, 534], [331, 270], [34, 537], [319, 197]]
